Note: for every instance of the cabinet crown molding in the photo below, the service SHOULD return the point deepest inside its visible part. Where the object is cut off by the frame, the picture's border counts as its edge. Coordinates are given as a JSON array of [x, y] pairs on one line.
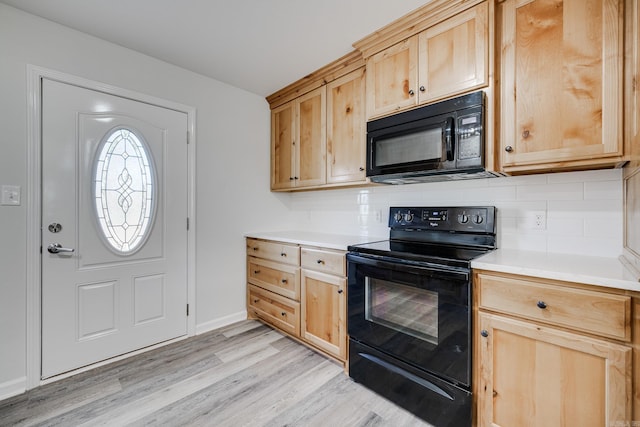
[[330, 72], [410, 24]]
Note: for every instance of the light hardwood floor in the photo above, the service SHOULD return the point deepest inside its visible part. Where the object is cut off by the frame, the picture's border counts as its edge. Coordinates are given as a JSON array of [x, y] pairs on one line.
[[246, 374]]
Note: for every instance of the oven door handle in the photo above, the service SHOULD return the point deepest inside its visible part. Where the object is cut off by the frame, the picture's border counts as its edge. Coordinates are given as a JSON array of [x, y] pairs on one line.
[[432, 271]]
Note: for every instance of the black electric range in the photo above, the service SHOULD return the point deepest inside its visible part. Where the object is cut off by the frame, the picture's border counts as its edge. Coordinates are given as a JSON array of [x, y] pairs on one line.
[[409, 318]]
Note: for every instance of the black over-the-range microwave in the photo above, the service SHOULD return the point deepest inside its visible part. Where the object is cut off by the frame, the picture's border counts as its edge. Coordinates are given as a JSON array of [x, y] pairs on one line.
[[437, 142]]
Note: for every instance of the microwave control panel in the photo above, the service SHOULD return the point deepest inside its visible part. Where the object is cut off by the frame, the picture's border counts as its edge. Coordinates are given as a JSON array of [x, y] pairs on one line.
[[469, 136]]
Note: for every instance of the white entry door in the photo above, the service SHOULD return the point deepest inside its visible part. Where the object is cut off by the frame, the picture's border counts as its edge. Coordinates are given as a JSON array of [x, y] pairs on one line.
[[114, 226]]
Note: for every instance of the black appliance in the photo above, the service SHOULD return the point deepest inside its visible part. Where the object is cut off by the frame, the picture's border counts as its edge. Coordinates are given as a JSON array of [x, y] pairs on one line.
[[409, 319], [441, 141]]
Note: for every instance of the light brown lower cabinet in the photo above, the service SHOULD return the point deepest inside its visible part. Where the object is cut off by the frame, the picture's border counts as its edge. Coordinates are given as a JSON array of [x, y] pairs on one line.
[[301, 291], [539, 376], [542, 366], [323, 312]]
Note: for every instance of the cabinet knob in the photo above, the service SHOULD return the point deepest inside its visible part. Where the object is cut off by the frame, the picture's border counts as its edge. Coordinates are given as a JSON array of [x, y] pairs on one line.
[[422, 89], [542, 305], [508, 149], [255, 248], [340, 291], [255, 301], [484, 333], [256, 271], [320, 261], [411, 92], [283, 254], [361, 169], [284, 313], [284, 280], [525, 134], [290, 178], [295, 177]]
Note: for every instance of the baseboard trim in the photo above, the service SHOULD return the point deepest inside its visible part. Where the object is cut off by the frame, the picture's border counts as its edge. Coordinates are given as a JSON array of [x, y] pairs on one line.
[[13, 388], [220, 322]]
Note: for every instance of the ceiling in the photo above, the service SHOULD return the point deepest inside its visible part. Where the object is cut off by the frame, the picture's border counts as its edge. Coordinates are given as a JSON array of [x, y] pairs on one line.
[[256, 45]]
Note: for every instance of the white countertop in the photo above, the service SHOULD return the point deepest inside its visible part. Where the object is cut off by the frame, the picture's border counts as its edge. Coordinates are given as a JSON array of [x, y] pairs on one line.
[[592, 270], [310, 238]]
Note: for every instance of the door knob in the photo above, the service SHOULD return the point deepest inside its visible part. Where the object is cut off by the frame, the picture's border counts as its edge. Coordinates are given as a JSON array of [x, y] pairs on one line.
[[56, 248]]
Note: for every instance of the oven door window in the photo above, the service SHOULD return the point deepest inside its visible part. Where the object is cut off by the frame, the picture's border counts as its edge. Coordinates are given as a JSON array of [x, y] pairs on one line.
[[405, 309]]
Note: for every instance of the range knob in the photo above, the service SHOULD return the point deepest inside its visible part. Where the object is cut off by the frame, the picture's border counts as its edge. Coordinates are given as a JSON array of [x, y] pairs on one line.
[[398, 216], [408, 217], [477, 219], [463, 218]]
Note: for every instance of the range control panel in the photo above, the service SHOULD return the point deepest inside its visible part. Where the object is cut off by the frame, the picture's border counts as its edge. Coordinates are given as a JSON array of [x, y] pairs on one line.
[[475, 219]]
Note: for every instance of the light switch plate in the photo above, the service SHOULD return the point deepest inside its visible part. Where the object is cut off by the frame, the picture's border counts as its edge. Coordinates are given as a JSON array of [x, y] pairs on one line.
[[10, 195]]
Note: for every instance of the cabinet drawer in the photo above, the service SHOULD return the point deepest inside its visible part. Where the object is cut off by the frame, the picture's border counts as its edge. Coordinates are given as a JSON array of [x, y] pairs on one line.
[[332, 262], [280, 278], [599, 313], [279, 311], [275, 251]]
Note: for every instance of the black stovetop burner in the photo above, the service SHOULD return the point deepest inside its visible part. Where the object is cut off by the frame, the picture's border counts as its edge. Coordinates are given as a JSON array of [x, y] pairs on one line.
[[443, 235]]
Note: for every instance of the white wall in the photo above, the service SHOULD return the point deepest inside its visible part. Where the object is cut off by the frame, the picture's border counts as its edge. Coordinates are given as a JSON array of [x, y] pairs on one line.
[[583, 209], [232, 166]]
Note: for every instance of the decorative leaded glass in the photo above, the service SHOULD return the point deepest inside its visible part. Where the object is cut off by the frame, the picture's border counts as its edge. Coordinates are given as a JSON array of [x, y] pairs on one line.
[[124, 190]]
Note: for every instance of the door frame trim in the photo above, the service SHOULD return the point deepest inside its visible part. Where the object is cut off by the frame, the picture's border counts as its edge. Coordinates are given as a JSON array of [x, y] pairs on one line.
[[35, 75]]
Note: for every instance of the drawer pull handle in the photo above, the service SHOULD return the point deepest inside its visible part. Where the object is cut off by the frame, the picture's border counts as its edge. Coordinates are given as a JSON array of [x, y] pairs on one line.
[[542, 305], [283, 254], [255, 301], [284, 313], [256, 271], [255, 248], [320, 261], [340, 291], [284, 280], [484, 333]]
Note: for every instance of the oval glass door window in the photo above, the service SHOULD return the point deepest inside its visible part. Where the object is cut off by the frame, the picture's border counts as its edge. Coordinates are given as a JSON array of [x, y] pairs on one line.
[[124, 190]]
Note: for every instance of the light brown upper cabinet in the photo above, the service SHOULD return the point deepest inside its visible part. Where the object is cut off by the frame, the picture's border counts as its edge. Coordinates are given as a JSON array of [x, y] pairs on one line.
[[448, 58], [318, 128], [283, 130], [346, 129], [311, 138], [561, 84], [298, 141]]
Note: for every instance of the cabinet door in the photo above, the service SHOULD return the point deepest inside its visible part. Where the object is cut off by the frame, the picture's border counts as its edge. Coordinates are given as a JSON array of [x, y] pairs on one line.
[[453, 55], [323, 312], [537, 376], [392, 77], [311, 138], [346, 128], [561, 82], [282, 146]]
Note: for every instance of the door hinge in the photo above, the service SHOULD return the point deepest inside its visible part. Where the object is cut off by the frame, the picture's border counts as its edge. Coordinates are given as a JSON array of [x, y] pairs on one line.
[[188, 223], [187, 309]]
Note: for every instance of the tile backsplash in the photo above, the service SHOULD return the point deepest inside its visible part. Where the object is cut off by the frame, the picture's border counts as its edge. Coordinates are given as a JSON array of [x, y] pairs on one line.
[[582, 210]]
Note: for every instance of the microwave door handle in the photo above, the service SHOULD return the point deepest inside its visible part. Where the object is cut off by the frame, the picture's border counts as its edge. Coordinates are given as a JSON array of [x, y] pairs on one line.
[[448, 138]]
